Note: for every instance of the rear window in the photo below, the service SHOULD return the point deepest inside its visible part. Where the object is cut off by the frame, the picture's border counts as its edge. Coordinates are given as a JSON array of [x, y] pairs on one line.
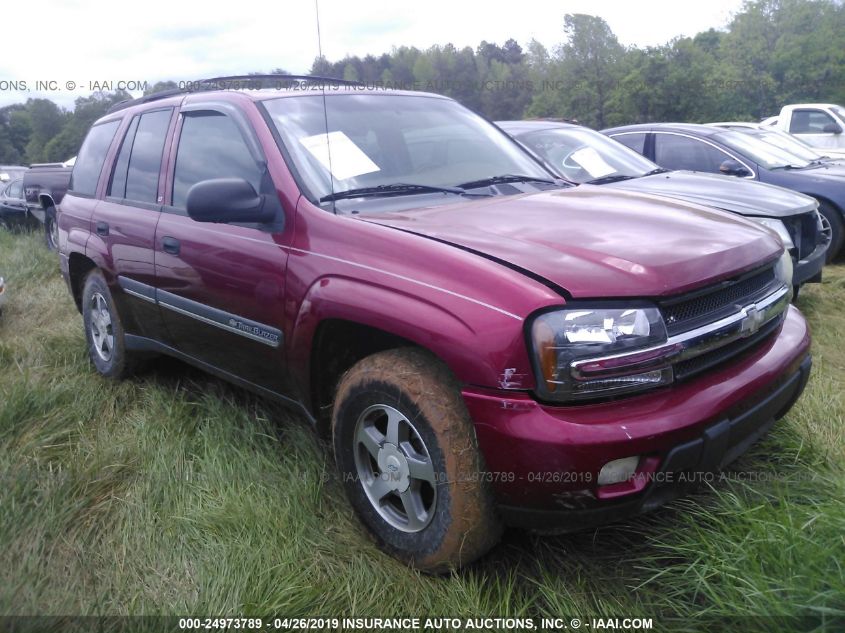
[[89, 163]]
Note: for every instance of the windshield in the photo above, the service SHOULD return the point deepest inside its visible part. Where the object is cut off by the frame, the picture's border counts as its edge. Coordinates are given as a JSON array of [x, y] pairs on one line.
[[581, 155], [839, 111], [786, 142], [761, 152], [378, 140]]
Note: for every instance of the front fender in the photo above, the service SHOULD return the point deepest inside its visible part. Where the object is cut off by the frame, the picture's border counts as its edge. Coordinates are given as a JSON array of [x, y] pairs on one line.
[[491, 353]]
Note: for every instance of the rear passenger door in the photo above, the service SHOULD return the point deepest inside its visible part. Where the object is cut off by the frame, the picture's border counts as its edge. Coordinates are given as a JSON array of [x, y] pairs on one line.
[[221, 287], [126, 219]]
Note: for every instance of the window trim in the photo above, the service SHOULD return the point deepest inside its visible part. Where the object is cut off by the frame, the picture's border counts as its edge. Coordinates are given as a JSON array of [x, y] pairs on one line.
[[711, 144]]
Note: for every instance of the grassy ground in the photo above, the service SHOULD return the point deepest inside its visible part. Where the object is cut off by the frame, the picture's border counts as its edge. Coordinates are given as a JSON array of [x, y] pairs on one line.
[[175, 493]]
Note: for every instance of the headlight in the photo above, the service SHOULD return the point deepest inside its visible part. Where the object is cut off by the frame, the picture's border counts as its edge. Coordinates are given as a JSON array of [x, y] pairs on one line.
[[563, 337], [783, 269], [778, 227]]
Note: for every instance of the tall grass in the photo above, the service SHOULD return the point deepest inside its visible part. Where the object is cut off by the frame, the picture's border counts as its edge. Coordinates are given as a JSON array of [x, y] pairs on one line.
[[175, 493]]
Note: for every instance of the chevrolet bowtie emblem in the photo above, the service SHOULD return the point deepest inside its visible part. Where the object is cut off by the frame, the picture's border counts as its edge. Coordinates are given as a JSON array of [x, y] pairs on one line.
[[752, 321]]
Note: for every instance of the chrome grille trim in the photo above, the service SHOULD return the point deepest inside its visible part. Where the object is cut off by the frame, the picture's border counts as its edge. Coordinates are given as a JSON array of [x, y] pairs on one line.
[[740, 325]]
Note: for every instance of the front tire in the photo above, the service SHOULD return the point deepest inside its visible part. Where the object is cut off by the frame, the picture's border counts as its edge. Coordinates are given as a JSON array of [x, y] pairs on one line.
[[834, 217], [104, 330], [410, 463], [51, 229]]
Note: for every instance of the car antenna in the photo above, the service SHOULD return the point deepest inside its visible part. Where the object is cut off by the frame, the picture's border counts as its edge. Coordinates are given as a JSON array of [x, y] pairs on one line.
[[325, 109]]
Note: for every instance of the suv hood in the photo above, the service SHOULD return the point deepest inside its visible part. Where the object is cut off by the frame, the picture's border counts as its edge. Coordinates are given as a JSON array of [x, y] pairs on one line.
[[731, 194], [596, 242]]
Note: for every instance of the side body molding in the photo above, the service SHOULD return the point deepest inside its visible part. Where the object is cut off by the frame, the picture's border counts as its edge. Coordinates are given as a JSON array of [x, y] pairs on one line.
[[234, 323]]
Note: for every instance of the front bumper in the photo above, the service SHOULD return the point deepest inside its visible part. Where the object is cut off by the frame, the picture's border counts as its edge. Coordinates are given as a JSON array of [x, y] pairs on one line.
[[809, 269], [543, 461]]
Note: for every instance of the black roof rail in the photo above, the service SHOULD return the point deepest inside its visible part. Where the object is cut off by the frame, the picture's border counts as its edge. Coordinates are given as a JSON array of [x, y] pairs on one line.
[[214, 83], [318, 78]]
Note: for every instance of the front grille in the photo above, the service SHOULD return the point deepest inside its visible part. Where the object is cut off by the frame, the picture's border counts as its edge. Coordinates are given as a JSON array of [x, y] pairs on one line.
[[688, 368], [705, 306]]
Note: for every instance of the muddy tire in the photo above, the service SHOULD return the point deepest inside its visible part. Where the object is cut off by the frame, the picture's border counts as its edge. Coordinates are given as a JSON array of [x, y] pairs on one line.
[[410, 463]]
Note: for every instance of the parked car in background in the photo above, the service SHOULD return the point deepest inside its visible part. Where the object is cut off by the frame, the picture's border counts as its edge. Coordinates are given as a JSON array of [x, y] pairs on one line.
[[13, 211], [817, 124], [9, 173], [45, 185], [784, 140], [729, 152], [584, 156], [481, 342]]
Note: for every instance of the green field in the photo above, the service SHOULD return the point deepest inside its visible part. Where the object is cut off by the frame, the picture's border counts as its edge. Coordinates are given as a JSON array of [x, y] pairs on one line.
[[173, 493]]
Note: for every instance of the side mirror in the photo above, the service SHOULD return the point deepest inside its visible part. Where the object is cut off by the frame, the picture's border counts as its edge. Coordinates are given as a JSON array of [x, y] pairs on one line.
[[832, 128], [226, 200], [733, 167]]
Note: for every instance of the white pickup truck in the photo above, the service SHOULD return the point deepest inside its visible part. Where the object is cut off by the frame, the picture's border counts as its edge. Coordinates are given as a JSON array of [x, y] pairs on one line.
[[818, 124]]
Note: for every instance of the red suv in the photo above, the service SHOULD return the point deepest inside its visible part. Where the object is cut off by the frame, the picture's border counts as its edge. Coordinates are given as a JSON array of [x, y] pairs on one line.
[[483, 344]]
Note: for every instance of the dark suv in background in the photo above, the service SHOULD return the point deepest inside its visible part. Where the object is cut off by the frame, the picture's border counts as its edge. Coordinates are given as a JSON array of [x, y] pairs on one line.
[[719, 151], [581, 155], [483, 344]]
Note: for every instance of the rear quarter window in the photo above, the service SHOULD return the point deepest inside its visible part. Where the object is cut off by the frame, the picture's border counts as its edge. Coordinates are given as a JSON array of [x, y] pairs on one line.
[[92, 156], [634, 141]]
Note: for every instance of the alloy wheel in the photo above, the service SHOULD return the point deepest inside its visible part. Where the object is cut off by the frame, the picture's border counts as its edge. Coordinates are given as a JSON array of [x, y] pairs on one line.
[[102, 332], [395, 468]]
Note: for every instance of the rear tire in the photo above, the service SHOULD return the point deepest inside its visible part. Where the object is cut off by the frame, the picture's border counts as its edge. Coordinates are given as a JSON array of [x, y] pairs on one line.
[[51, 229], [104, 330], [410, 463], [834, 217]]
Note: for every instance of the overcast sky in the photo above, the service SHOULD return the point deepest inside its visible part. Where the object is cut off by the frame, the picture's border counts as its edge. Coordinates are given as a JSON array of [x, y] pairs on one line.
[[79, 41]]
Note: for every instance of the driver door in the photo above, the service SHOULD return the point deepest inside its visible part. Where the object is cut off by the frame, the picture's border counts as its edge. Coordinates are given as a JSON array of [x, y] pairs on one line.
[[221, 287]]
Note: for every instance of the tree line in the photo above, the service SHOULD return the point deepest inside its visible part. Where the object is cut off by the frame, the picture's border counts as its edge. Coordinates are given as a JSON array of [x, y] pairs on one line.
[[772, 52]]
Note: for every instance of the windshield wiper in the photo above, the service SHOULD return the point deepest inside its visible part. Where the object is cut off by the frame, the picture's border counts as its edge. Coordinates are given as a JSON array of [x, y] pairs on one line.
[[504, 178], [791, 166], [608, 179], [393, 189]]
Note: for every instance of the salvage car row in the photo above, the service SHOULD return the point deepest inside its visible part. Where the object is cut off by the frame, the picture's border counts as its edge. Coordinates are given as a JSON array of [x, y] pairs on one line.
[[462, 314]]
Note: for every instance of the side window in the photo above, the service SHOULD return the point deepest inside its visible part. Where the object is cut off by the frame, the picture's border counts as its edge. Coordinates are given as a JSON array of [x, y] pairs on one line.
[[138, 164], [211, 146], [15, 189], [635, 141], [680, 152], [809, 122], [89, 163], [117, 188]]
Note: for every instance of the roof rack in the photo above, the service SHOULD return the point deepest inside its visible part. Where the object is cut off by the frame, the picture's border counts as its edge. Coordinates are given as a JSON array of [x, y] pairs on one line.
[[218, 83]]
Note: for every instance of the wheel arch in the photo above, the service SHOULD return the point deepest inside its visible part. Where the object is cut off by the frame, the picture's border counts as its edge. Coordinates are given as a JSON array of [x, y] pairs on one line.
[[46, 200], [827, 201], [342, 320], [78, 267]]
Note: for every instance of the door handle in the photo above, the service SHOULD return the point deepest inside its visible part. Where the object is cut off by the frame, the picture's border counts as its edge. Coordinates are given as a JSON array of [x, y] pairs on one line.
[[171, 245], [102, 228]]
